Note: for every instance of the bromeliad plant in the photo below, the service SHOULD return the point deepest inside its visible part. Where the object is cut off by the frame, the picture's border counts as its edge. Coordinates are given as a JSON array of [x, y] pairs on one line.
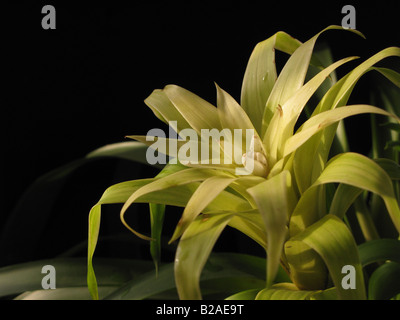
[[284, 203]]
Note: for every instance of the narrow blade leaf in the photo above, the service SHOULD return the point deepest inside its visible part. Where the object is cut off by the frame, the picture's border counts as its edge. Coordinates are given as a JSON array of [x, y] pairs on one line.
[[275, 200], [333, 242], [193, 251], [204, 194]]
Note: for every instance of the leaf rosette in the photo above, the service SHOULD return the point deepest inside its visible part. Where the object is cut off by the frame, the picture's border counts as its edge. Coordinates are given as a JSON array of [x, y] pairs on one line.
[[271, 187]]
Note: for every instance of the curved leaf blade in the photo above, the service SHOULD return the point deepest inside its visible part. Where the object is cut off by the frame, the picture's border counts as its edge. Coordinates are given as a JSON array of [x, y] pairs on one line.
[[198, 113], [284, 291], [164, 109], [275, 200], [333, 242], [223, 274], [193, 251], [70, 272], [293, 107], [391, 167], [290, 80], [325, 119], [384, 282], [244, 295], [208, 190], [183, 177], [379, 250], [319, 145], [157, 213], [260, 76], [355, 170], [177, 195]]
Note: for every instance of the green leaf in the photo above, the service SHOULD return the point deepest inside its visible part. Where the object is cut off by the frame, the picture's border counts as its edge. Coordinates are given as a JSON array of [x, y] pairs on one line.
[[179, 178], [345, 194], [198, 113], [260, 76], [251, 224], [379, 250], [390, 74], [232, 117], [397, 297], [385, 95], [391, 167], [147, 286], [93, 236], [391, 126], [231, 114], [324, 54], [283, 291], [318, 146], [193, 251], [325, 119], [73, 293], [224, 274], [333, 242], [176, 179], [384, 282], [307, 269], [70, 272], [344, 197], [129, 150], [355, 170], [275, 200], [201, 198], [244, 295], [289, 81], [339, 94], [175, 195], [243, 183], [393, 144], [328, 294], [120, 193], [362, 172], [157, 213], [293, 107], [163, 108]]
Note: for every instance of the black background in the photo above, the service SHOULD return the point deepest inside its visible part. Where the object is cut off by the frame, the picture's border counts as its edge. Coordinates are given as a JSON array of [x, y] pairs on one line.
[[68, 91]]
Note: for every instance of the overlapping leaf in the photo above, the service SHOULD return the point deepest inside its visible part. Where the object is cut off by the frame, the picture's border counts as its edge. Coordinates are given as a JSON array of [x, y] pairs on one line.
[[193, 250], [288, 199], [333, 242], [275, 200], [318, 146], [354, 170]]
